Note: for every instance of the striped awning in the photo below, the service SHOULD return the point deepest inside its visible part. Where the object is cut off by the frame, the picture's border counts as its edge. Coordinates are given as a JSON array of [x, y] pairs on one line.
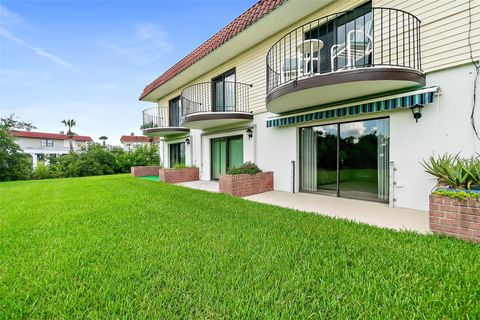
[[399, 101]]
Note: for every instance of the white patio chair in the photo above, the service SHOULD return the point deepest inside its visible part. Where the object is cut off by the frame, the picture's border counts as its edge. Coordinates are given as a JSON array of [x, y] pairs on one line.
[[358, 45], [292, 68]]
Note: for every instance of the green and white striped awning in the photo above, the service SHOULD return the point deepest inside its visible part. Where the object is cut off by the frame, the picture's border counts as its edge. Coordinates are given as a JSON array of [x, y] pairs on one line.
[[399, 101]]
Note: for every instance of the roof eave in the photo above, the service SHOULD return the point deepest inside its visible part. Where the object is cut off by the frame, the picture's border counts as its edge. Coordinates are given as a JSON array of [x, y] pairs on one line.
[[276, 20]]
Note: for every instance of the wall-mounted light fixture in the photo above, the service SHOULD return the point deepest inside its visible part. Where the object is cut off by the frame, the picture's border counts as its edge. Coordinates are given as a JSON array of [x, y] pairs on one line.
[[249, 133], [417, 111], [187, 141]]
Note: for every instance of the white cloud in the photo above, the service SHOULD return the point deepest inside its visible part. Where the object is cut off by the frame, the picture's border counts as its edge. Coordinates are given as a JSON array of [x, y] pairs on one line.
[[148, 43], [8, 17], [353, 129]]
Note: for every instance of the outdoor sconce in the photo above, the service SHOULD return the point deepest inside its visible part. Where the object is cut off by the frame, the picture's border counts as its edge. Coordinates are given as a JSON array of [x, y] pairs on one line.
[[249, 133], [417, 111], [187, 141]]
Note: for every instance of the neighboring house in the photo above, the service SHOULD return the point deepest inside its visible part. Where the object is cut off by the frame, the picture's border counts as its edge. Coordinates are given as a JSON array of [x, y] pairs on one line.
[[132, 142], [40, 145], [328, 95]]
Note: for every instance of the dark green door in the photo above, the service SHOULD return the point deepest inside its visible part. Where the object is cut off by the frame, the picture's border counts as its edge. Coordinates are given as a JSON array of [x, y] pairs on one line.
[[219, 158], [226, 153]]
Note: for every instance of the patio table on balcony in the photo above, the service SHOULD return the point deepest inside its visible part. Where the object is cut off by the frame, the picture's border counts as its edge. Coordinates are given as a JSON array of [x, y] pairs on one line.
[[307, 48]]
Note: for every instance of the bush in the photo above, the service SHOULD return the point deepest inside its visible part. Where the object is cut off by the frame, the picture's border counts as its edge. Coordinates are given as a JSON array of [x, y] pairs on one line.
[[143, 156], [14, 164], [246, 168], [181, 166], [453, 171], [95, 159], [41, 171], [459, 195]]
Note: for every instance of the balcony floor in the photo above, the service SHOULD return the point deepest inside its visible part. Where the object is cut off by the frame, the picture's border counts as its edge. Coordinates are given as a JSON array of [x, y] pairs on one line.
[[165, 131], [207, 120], [341, 85]]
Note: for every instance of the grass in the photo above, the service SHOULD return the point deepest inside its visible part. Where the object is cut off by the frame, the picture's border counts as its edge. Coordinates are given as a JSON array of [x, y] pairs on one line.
[[120, 247]]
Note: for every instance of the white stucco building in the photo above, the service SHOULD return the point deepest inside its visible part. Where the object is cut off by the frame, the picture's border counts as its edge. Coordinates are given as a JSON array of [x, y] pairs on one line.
[[132, 142], [40, 145], [337, 97]]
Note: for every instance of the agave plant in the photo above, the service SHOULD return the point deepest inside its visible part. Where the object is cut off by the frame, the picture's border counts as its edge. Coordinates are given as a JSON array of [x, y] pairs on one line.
[[453, 171], [472, 167]]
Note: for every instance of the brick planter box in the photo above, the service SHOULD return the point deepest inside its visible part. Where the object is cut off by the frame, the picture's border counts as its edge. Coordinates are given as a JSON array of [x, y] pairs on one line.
[[242, 185], [173, 175], [143, 171], [458, 218]]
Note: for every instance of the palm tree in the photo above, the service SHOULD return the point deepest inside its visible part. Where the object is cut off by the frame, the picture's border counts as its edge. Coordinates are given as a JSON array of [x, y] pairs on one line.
[[70, 123], [103, 138]]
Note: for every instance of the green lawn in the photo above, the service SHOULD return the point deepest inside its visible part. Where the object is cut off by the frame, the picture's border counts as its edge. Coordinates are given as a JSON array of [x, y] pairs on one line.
[[121, 247]]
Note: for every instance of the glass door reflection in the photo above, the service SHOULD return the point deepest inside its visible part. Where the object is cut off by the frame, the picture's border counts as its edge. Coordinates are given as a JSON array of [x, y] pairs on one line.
[[347, 159], [363, 160]]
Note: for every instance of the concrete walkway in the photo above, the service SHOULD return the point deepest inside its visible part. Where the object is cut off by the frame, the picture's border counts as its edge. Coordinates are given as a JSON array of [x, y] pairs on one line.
[[211, 186], [373, 213]]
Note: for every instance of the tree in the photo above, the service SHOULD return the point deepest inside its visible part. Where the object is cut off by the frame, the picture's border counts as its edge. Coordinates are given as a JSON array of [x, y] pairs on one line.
[[103, 138], [14, 164], [70, 123], [10, 123]]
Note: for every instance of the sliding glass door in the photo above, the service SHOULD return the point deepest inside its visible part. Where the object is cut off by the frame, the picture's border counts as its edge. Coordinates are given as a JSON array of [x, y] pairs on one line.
[[219, 158], [226, 153], [177, 153], [223, 89], [174, 112], [319, 173], [351, 29], [346, 159]]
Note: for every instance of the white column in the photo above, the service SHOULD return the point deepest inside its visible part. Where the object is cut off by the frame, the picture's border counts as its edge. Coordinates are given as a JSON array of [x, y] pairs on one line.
[[34, 160]]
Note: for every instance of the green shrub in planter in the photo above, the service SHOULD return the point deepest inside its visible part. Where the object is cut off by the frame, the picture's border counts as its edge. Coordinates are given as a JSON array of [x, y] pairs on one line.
[[181, 166], [147, 125], [246, 168], [459, 195]]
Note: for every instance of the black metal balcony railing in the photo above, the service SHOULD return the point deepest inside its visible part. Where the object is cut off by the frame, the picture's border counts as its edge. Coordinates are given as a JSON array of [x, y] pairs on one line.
[[363, 37], [156, 117], [215, 97]]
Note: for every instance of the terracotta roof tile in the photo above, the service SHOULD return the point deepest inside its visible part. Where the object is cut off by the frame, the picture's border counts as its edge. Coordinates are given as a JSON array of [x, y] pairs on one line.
[[45, 135], [249, 17]]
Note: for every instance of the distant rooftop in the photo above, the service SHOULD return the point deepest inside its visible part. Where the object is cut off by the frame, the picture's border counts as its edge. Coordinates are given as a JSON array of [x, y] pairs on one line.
[[52, 136]]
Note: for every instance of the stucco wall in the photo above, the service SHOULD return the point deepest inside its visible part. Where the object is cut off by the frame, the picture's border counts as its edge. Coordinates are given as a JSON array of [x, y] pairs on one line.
[[36, 144], [444, 127]]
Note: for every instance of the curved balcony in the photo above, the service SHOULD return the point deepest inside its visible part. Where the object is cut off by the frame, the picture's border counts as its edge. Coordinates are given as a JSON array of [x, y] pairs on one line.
[[349, 55], [213, 104], [158, 123]]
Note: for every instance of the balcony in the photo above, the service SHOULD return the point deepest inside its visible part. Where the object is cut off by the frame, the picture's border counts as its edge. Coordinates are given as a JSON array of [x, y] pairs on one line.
[[354, 54], [158, 122], [208, 105]]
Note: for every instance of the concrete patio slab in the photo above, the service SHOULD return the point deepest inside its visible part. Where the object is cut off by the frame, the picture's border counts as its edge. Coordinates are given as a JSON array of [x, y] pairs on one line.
[[373, 213], [211, 186]]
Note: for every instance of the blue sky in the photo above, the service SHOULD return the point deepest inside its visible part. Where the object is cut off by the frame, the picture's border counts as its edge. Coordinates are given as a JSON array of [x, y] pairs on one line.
[[90, 60]]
